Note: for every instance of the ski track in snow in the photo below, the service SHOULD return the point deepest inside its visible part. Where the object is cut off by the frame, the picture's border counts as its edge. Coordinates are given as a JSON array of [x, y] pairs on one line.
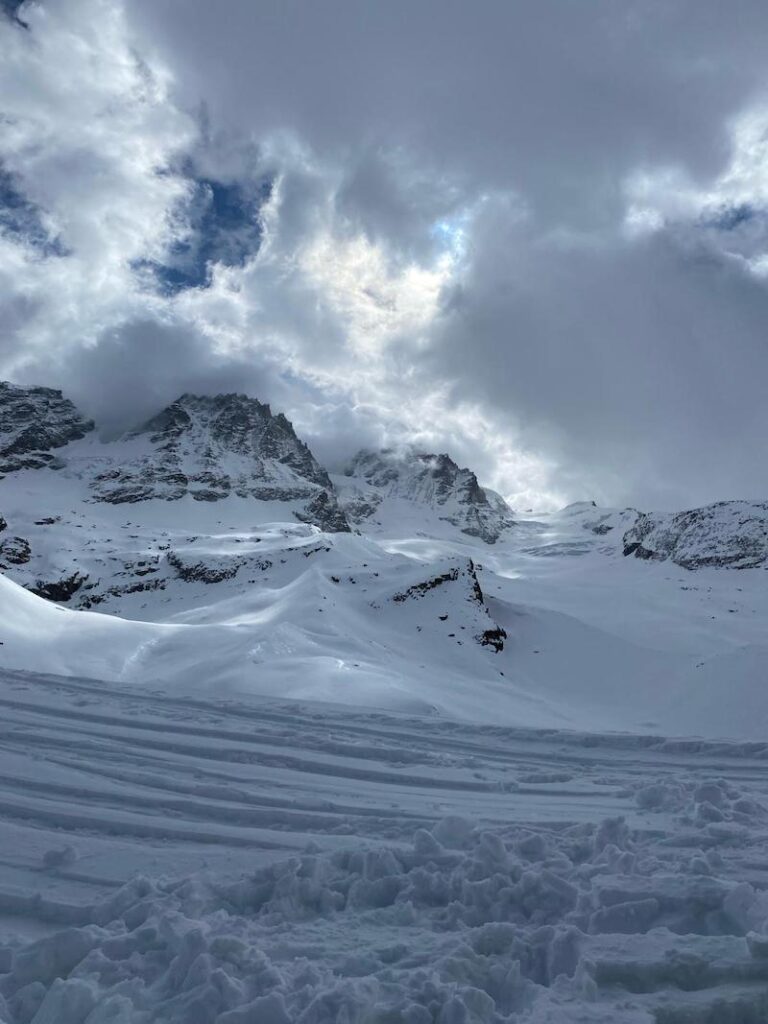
[[311, 863]]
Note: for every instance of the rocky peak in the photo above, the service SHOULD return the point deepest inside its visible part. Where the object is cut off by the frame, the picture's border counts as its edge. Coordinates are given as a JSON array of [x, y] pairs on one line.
[[430, 479], [727, 534], [33, 421], [210, 447], [234, 424]]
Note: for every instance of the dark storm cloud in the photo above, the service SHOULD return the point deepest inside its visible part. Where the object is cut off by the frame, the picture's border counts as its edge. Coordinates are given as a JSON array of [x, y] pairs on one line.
[[143, 365], [557, 99], [647, 362], [10, 10]]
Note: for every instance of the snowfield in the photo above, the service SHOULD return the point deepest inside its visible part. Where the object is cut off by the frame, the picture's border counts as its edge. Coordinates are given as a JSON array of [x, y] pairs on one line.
[[212, 860], [449, 766], [468, 812]]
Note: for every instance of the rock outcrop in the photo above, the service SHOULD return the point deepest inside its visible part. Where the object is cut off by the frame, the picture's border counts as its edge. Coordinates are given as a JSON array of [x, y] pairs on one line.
[[435, 482], [212, 447], [33, 423], [728, 534]]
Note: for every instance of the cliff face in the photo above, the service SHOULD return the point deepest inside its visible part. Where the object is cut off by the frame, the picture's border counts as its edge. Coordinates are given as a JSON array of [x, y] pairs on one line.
[[212, 447], [201, 446], [434, 482], [728, 534], [33, 423], [89, 522]]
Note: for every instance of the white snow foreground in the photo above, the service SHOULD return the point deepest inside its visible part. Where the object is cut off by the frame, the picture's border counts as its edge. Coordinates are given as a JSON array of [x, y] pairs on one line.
[[226, 862]]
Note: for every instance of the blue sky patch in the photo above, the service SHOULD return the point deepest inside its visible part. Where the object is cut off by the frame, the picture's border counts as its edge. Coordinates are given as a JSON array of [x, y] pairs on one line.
[[728, 218], [220, 223], [22, 220]]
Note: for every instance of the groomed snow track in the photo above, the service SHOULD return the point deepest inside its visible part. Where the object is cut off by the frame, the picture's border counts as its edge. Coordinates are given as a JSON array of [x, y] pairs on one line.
[[174, 859]]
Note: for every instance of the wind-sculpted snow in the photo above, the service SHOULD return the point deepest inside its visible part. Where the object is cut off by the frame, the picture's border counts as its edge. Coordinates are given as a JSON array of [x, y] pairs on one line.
[[729, 534], [227, 862], [293, 612]]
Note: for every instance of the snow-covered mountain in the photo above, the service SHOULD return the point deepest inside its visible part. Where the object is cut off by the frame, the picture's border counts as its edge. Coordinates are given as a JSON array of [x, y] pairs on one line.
[[33, 423], [728, 534], [209, 448], [67, 530], [94, 522], [221, 551], [387, 486], [264, 768]]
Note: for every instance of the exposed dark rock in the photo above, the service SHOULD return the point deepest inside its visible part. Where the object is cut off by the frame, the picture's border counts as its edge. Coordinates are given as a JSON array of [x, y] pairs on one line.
[[14, 551], [493, 638], [143, 586], [33, 421], [419, 589], [601, 529], [359, 507], [324, 511], [727, 534], [637, 549], [59, 590], [208, 495], [477, 590], [199, 572]]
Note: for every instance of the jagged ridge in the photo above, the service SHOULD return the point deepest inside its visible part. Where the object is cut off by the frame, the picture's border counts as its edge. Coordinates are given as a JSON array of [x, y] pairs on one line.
[[210, 447], [727, 534], [432, 480], [33, 421]]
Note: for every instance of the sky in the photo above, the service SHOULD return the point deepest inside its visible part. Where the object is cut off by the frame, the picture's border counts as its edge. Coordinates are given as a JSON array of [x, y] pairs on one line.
[[530, 233]]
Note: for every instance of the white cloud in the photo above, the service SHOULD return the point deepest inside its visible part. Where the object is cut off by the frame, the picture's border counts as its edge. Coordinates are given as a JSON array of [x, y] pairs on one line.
[[89, 134], [500, 252]]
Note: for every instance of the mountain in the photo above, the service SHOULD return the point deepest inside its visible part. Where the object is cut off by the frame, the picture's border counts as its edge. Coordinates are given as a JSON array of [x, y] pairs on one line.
[[381, 488], [211, 448], [727, 534], [213, 525], [207, 448], [88, 521], [33, 423]]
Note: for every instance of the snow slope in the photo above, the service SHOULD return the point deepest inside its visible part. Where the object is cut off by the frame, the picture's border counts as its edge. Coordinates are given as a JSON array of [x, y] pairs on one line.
[[179, 859], [586, 640], [400, 487], [447, 769]]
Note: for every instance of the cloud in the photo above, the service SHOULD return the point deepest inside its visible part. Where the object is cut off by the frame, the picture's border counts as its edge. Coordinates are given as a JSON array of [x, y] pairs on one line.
[[144, 364], [531, 235], [218, 223], [643, 361]]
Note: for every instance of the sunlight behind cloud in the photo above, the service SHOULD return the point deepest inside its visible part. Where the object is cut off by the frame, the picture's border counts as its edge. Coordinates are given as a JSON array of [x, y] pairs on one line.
[[377, 301]]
